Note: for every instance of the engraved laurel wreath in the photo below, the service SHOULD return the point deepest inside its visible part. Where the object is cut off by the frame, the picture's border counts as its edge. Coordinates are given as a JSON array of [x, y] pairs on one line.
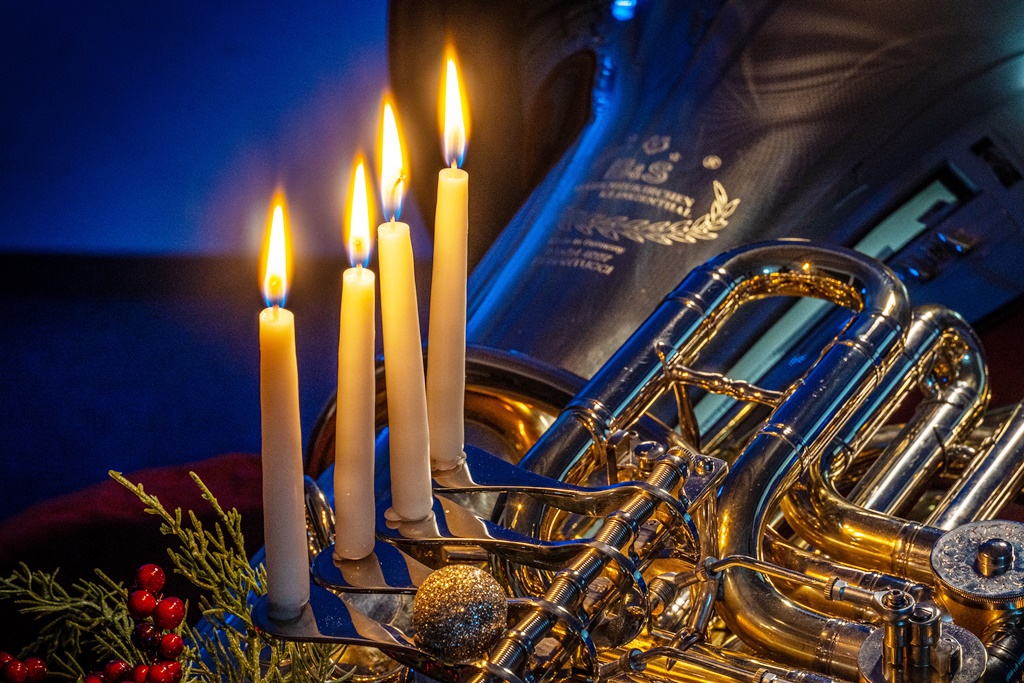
[[642, 230]]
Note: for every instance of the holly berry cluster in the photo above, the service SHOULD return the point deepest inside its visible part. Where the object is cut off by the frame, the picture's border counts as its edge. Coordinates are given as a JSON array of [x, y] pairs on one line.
[[156, 617], [32, 670]]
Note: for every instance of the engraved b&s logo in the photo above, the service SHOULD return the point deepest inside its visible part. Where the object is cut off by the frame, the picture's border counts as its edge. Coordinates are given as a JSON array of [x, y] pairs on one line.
[[620, 183], [626, 168], [655, 173]]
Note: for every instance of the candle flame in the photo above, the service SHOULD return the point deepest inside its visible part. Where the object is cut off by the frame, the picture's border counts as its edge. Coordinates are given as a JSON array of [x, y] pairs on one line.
[[454, 114], [394, 174], [276, 254], [359, 239]]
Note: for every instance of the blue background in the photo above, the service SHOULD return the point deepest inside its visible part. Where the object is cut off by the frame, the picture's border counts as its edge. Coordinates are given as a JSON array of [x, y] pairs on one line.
[[140, 143], [162, 127]]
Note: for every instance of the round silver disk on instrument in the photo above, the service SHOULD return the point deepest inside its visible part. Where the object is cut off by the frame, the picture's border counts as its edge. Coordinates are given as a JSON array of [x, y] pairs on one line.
[[982, 561], [979, 569]]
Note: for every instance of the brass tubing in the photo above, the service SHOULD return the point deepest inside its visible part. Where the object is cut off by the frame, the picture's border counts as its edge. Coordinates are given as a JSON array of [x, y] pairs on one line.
[[858, 536], [703, 663], [814, 591], [850, 367], [688, 666], [904, 468], [683, 324], [990, 481], [704, 595], [703, 606], [862, 538], [744, 658], [815, 486], [569, 586], [818, 566]]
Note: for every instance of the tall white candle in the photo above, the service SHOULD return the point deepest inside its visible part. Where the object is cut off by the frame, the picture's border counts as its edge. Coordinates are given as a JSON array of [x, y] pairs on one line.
[[354, 517], [403, 369], [284, 513], [446, 350], [411, 497]]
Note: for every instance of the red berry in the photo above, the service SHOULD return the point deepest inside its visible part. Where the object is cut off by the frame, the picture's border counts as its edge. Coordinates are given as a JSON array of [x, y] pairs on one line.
[[15, 671], [160, 673], [116, 671], [176, 671], [146, 637], [141, 604], [150, 577], [4, 658], [171, 646], [140, 673], [95, 677], [36, 669], [169, 613]]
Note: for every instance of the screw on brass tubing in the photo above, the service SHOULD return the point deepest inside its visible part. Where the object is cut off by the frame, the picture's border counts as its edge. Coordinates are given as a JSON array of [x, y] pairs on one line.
[[629, 663], [648, 453]]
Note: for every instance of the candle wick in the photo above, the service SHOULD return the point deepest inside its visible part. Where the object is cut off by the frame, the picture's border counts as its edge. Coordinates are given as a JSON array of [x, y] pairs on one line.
[[455, 163], [402, 177], [276, 309]]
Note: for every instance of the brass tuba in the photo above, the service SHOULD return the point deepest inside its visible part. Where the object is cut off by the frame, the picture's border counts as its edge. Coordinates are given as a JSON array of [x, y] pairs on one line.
[[790, 531], [661, 562]]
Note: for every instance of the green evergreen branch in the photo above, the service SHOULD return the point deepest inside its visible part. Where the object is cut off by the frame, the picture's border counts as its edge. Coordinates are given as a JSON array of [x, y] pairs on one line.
[[93, 614], [89, 614]]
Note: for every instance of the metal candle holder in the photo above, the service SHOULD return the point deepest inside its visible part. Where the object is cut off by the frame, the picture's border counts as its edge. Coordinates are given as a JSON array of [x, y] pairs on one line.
[[458, 532]]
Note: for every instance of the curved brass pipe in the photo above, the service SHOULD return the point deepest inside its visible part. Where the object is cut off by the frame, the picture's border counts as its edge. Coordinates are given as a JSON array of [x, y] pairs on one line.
[[629, 383], [704, 663], [848, 370], [850, 367], [959, 390], [873, 540]]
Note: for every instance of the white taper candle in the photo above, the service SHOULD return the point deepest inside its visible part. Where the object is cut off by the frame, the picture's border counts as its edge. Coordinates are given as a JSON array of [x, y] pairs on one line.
[[411, 496], [354, 517], [446, 350], [284, 510]]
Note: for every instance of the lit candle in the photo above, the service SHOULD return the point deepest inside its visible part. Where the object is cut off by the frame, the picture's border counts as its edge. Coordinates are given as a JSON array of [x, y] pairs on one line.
[[403, 355], [354, 517], [284, 515], [446, 369]]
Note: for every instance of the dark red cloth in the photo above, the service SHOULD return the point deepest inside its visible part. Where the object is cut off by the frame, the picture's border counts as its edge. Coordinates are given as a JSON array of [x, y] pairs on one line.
[[104, 526]]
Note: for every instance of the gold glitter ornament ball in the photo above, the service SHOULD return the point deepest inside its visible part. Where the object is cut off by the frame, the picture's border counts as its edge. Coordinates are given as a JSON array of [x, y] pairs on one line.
[[459, 612]]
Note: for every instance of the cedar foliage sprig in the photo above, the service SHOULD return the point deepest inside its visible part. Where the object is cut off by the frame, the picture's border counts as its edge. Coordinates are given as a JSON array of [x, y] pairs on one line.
[[214, 560], [89, 613]]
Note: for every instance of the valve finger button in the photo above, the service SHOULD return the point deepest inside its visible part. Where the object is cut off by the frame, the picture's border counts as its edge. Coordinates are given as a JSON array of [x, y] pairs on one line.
[[995, 557]]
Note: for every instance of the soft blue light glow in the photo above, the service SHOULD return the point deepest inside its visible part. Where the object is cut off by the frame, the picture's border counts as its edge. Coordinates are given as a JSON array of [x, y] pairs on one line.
[[623, 9]]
